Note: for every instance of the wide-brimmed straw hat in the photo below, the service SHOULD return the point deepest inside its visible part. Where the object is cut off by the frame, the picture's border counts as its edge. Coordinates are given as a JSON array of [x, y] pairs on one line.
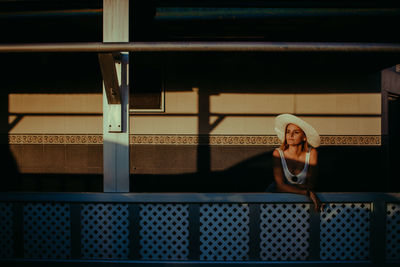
[[283, 120]]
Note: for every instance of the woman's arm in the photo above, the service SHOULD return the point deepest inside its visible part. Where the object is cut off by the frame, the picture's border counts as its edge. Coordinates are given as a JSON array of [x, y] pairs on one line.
[[312, 171], [311, 179], [278, 176], [298, 189]]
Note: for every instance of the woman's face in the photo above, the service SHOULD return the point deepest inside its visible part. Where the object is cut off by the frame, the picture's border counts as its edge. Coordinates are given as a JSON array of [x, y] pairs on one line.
[[294, 135]]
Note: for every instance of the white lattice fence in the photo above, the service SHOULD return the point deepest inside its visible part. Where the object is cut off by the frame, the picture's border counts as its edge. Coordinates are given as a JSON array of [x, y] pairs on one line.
[[164, 232], [105, 231], [224, 232], [345, 231], [200, 231], [284, 231], [47, 232]]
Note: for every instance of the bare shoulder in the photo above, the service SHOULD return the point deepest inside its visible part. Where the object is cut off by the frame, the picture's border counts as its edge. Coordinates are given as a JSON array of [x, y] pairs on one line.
[[313, 155], [275, 153], [313, 151]]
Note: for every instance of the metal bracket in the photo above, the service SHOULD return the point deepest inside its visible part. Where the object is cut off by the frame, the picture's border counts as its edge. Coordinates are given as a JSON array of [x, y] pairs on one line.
[[114, 118], [110, 77], [112, 88]]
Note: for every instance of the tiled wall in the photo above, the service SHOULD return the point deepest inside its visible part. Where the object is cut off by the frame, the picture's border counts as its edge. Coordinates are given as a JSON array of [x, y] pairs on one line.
[[63, 159], [237, 114], [213, 94], [217, 127], [170, 168]]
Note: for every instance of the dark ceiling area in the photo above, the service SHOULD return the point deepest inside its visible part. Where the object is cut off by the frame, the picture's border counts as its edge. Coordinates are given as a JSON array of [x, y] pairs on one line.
[[292, 21], [33, 21], [26, 21]]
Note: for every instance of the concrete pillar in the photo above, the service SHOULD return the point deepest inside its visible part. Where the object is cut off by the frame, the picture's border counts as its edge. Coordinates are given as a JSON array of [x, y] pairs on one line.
[[116, 116]]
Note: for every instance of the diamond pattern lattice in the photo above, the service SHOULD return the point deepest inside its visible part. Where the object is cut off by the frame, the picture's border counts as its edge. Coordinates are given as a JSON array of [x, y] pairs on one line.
[[345, 231], [224, 232], [393, 232], [47, 231], [284, 231], [6, 231], [164, 231], [105, 231]]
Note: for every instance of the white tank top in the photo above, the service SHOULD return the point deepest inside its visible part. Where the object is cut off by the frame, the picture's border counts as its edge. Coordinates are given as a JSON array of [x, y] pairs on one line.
[[291, 178]]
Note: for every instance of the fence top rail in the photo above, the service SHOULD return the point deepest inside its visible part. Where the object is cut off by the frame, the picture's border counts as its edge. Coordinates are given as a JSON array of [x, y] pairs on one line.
[[202, 46], [348, 197]]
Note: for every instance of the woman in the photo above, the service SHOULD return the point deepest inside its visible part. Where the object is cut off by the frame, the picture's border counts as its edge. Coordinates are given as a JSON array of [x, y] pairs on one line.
[[295, 161]]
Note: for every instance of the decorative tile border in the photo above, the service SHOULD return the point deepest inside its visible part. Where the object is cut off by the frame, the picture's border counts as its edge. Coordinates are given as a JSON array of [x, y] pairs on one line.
[[59, 139], [356, 140], [271, 140], [204, 140], [25, 139]]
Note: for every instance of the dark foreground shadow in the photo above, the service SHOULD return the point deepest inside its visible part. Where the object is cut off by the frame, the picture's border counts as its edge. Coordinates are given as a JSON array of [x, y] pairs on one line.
[[341, 169]]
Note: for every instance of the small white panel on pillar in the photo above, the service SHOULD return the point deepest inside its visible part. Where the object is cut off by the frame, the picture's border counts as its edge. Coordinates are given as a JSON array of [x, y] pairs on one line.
[[114, 118]]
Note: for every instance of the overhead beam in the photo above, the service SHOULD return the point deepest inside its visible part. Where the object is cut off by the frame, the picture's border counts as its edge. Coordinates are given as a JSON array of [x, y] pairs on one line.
[[119, 46]]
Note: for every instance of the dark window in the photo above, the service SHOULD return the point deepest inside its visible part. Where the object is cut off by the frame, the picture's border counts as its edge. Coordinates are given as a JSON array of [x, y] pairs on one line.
[[146, 84]]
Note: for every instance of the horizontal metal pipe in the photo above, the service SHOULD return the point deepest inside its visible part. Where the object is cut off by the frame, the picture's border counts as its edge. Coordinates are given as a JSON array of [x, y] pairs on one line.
[[38, 14], [182, 13], [347, 197], [188, 13], [201, 46]]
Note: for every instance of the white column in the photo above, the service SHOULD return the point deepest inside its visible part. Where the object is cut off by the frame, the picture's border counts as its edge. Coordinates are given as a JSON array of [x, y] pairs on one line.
[[115, 139]]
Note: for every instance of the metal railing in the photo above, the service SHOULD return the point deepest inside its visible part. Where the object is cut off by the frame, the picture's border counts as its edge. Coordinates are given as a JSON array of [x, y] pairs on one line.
[[195, 228], [203, 46]]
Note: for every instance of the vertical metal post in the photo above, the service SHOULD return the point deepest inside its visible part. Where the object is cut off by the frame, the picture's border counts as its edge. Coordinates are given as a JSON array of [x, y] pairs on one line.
[[116, 143], [385, 133], [18, 225], [315, 229], [194, 231], [378, 232], [134, 231], [254, 225], [75, 215]]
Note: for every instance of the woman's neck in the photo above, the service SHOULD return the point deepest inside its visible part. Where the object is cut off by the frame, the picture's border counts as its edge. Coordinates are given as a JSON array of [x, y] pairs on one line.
[[295, 149]]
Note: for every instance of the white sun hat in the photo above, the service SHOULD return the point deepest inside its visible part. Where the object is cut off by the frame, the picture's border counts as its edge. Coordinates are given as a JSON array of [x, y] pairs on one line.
[[283, 120]]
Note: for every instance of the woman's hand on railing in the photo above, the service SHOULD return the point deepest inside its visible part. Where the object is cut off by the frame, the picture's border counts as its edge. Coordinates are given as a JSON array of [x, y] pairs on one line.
[[318, 205]]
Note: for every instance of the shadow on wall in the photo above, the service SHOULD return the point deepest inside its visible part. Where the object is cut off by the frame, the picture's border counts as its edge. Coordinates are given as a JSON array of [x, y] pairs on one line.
[[341, 169], [44, 73], [10, 177]]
